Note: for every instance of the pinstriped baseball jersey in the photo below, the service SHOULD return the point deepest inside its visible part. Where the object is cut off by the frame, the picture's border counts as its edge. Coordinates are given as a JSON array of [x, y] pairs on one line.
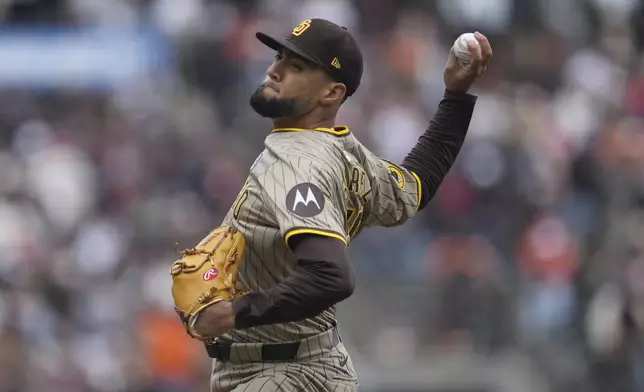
[[321, 181]]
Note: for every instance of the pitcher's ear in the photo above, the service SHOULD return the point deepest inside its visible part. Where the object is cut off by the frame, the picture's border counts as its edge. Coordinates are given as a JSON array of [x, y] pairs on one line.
[[334, 93]]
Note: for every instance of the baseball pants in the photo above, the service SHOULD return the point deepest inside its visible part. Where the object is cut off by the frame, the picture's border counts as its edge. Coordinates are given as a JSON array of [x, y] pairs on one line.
[[317, 363]]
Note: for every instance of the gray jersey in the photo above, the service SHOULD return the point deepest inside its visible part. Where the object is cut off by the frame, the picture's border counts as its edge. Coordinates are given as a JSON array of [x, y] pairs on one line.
[[320, 181]]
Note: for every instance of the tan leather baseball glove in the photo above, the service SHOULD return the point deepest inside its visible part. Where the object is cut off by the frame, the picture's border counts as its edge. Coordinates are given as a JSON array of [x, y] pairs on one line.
[[207, 274]]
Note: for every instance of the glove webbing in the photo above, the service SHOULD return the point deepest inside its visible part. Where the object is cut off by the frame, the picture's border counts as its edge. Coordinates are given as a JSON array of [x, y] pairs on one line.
[[180, 265]]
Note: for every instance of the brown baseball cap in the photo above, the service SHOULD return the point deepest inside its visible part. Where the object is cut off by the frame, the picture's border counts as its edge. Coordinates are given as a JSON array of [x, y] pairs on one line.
[[326, 44]]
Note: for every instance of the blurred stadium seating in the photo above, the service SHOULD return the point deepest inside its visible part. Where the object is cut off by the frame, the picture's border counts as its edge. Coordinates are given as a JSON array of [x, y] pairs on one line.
[[125, 127]]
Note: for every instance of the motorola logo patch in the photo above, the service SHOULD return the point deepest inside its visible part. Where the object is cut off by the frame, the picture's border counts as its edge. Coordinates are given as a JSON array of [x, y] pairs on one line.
[[305, 200]]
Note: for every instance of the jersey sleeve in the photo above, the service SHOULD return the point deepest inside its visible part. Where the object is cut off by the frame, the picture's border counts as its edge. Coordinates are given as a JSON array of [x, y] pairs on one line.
[[306, 198], [396, 193]]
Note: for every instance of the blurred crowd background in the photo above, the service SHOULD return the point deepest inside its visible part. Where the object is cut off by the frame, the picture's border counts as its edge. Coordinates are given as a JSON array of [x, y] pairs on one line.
[[125, 128]]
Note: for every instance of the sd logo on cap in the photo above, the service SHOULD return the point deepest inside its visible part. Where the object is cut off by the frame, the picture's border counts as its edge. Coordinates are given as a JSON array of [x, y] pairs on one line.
[[299, 29]]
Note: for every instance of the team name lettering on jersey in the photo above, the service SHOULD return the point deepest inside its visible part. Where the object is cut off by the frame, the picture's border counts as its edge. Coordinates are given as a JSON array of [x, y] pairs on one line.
[[357, 194]]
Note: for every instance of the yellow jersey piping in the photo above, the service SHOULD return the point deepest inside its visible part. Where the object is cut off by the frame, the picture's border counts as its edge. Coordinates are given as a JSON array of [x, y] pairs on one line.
[[337, 131], [420, 188], [325, 233]]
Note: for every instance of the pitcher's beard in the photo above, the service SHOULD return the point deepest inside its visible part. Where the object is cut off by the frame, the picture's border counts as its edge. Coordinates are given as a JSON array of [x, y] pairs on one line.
[[273, 107]]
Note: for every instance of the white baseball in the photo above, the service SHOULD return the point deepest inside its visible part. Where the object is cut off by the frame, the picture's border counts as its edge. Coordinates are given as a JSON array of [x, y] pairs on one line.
[[461, 50]]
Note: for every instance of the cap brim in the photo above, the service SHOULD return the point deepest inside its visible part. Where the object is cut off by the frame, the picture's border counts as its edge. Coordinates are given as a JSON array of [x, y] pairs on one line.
[[277, 44]]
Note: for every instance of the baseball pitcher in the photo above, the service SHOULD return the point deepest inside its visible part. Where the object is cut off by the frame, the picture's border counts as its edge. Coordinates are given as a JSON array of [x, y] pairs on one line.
[[260, 290]]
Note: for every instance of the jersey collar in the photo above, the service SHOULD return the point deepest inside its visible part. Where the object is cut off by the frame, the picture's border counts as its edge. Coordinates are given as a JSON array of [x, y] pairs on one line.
[[337, 131]]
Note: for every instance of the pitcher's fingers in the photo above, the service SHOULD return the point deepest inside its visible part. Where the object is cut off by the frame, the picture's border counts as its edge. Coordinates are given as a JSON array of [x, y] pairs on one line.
[[451, 58], [476, 59], [475, 52], [486, 48]]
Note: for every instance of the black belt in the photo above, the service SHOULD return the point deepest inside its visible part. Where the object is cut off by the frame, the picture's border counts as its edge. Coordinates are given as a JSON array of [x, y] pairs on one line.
[[270, 351]]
